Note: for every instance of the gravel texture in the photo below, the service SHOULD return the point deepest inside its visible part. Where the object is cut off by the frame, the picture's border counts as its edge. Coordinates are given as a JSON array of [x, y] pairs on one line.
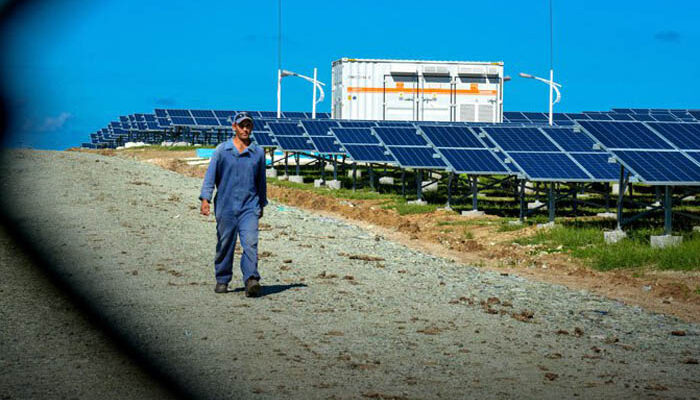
[[345, 313]]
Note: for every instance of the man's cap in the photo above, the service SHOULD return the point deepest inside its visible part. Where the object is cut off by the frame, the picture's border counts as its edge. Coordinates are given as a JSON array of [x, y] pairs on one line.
[[242, 116]]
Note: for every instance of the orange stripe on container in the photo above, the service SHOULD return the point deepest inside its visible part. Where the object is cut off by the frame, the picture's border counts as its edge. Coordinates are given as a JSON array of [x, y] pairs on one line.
[[475, 91]]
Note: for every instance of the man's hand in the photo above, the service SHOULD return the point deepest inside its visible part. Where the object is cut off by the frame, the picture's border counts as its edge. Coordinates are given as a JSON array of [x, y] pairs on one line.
[[205, 208]]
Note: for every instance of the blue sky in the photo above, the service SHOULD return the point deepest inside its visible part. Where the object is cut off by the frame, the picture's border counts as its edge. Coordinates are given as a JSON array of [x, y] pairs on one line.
[[70, 67]]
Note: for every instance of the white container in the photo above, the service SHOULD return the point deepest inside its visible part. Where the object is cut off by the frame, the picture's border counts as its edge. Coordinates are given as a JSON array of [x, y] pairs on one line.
[[413, 90]]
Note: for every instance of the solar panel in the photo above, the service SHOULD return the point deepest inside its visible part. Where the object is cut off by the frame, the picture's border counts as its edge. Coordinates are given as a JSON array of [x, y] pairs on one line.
[[620, 117], [520, 139], [549, 166], [624, 135], [294, 143], [294, 114], [560, 117], [664, 117], [577, 116], [642, 117], [661, 167], [451, 136], [223, 113], [160, 113], [318, 128], [206, 121], [622, 110], [223, 121], [263, 139], [163, 122], [598, 116], [466, 161], [417, 157], [400, 136], [514, 116], [684, 136], [355, 136], [356, 124], [695, 114], [694, 155], [285, 128], [182, 121], [202, 113], [570, 140], [265, 114], [326, 145], [178, 113], [598, 165], [535, 116], [368, 153]]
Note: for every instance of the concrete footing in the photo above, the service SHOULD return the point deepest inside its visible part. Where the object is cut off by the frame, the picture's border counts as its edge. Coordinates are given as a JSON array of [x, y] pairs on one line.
[[358, 173], [417, 202], [283, 178], [615, 189], [473, 213], [429, 187], [386, 180], [696, 228], [333, 184], [688, 198], [296, 178], [546, 225], [516, 222], [271, 173], [615, 236], [659, 242], [328, 167], [535, 204], [606, 215], [318, 183]]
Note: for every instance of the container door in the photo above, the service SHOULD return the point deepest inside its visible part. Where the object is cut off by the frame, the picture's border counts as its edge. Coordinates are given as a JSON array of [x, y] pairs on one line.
[[435, 98], [400, 97]]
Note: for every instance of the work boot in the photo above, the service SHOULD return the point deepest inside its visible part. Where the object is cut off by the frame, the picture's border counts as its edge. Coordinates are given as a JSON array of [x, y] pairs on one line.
[[221, 288], [252, 288]]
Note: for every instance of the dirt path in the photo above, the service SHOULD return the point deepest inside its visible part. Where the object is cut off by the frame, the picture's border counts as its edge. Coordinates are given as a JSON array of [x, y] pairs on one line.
[[668, 292], [346, 313]]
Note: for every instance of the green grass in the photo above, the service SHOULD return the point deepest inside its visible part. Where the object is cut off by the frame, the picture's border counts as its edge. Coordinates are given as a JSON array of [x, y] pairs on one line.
[[468, 235], [633, 252]]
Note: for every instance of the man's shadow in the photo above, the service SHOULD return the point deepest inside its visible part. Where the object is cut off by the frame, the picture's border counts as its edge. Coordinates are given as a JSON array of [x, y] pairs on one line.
[[266, 290]]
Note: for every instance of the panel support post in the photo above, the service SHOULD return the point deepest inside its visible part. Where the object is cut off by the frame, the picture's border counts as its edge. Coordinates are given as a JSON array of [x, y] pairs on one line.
[[522, 201], [475, 192], [403, 183], [575, 199], [297, 158], [323, 168], [335, 168], [354, 176], [668, 223], [607, 197], [552, 202], [286, 163], [449, 190], [620, 197], [419, 184], [371, 177]]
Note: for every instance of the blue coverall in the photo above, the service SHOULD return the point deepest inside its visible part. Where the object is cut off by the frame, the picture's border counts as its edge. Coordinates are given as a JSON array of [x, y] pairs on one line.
[[241, 194]]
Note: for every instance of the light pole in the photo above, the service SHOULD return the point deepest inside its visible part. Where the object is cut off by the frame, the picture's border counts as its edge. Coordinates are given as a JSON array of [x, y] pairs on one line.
[[553, 86], [281, 73]]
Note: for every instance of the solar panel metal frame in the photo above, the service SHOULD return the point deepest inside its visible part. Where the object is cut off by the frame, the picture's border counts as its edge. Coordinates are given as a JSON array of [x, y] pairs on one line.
[[449, 149], [619, 154], [398, 149], [560, 150]]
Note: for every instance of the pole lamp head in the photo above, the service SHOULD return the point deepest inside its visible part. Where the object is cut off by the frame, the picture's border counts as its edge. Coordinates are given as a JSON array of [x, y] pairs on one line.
[[524, 75]]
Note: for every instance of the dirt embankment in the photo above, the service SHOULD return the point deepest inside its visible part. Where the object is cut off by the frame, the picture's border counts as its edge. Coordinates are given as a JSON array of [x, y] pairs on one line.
[[479, 243]]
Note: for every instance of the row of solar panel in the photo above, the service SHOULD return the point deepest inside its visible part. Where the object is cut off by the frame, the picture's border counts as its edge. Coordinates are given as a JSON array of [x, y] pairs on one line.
[[540, 153], [569, 118]]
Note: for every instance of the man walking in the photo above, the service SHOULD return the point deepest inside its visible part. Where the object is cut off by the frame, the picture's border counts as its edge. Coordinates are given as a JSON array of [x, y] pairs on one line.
[[237, 169]]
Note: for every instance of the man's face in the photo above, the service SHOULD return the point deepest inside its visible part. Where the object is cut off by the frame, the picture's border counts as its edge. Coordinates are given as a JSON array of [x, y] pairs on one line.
[[243, 129]]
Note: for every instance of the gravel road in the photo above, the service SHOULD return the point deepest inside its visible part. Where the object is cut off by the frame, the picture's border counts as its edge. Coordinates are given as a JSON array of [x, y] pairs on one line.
[[345, 313]]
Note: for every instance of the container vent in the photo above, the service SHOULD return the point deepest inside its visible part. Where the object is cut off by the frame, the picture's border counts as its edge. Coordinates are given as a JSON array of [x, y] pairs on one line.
[[467, 112], [435, 70], [485, 113], [472, 71]]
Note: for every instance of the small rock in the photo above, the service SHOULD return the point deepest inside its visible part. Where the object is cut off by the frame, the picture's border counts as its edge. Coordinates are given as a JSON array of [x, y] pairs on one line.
[[551, 376], [678, 333]]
